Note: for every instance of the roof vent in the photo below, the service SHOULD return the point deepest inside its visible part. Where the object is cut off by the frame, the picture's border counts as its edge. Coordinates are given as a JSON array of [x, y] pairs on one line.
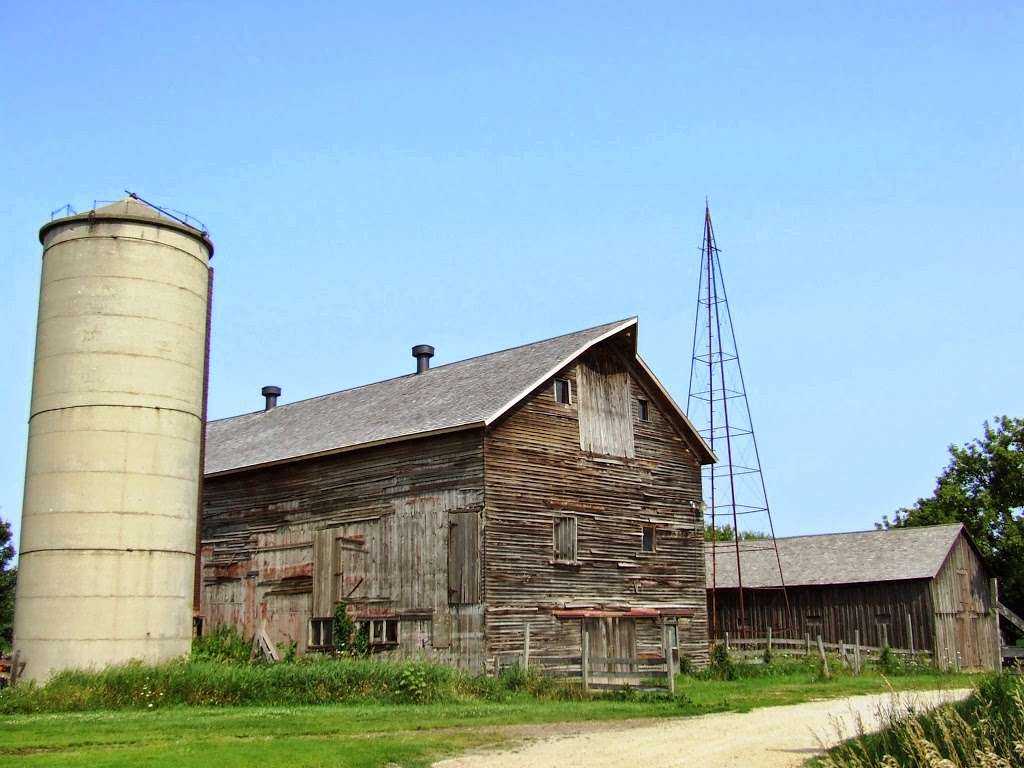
[[422, 353], [271, 393]]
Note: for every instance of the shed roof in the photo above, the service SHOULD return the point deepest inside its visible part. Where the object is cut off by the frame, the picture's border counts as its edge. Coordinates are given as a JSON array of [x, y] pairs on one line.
[[460, 395], [895, 554]]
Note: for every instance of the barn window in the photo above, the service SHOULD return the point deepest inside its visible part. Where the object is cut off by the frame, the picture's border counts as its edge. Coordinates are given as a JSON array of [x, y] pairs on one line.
[[565, 539], [643, 409], [383, 632], [563, 392], [463, 558], [321, 633], [647, 542]]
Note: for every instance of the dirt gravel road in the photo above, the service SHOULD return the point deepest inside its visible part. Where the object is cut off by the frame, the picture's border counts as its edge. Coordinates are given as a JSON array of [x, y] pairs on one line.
[[772, 737]]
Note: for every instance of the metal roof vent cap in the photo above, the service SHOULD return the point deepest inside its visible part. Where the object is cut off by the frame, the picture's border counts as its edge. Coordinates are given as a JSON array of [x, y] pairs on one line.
[[271, 393], [422, 353]]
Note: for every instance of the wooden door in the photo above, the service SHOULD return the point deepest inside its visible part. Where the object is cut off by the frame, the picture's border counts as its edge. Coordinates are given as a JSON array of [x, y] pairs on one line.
[[611, 638]]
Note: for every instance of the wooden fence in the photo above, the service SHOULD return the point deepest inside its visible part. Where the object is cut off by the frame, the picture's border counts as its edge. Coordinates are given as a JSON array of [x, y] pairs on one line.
[[852, 654], [649, 672]]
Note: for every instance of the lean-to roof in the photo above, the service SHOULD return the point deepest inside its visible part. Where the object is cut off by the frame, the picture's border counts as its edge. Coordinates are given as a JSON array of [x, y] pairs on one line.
[[895, 554]]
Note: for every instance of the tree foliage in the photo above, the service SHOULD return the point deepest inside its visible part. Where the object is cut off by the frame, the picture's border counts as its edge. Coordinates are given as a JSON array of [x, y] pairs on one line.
[[8, 578], [725, 533], [983, 488]]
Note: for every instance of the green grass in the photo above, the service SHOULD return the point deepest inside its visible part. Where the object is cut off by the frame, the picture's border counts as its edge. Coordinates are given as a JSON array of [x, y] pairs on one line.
[[379, 733]]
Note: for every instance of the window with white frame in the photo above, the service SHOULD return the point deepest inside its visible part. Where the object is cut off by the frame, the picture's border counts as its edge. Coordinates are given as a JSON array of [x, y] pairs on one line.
[[563, 391]]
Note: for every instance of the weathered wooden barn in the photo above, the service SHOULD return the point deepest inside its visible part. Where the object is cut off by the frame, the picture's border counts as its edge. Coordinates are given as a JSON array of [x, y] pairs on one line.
[[924, 588], [555, 484]]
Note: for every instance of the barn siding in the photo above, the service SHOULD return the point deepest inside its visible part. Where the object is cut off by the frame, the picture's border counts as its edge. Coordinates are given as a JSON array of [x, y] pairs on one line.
[[536, 472], [833, 611], [965, 626], [379, 520]]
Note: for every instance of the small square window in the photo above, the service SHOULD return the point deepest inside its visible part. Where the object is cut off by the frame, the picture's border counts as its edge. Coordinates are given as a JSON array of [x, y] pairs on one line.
[[647, 544], [563, 392], [644, 409], [321, 633]]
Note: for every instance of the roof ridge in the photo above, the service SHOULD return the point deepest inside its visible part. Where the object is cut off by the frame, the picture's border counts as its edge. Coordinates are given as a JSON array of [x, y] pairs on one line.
[[434, 368], [851, 533]]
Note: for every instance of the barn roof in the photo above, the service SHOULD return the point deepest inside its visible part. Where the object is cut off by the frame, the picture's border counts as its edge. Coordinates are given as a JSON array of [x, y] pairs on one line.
[[895, 554], [460, 395]]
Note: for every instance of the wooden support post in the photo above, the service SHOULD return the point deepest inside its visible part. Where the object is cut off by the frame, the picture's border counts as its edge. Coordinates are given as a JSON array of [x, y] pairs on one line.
[[727, 642], [807, 643], [769, 639], [993, 589], [585, 661], [670, 668], [526, 647], [856, 651], [824, 659], [884, 629], [910, 634]]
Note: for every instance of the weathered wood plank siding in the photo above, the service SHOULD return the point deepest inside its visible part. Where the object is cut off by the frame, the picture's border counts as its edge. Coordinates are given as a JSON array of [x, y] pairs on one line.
[[536, 473], [965, 628], [833, 611], [284, 544]]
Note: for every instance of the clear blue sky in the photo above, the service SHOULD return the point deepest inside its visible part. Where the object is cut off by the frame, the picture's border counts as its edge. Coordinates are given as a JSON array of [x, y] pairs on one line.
[[379, 175]]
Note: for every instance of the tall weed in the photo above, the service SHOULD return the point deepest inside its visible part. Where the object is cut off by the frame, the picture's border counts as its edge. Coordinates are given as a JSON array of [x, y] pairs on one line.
[[985, 731]]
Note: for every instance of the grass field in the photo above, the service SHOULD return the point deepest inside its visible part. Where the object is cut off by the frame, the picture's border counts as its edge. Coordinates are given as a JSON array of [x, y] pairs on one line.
[[364, 735]]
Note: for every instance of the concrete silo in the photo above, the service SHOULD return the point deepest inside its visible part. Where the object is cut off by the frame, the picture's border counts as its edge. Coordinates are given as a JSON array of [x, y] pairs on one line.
[[108, 532]]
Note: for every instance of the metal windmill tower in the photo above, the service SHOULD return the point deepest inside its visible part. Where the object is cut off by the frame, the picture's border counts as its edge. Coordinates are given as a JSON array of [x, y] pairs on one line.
[[734, 489]]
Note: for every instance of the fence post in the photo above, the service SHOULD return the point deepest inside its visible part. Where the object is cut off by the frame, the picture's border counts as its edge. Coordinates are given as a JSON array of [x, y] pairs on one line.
[[727, 642], [842, 653], [807, 643], [824, 659], [526, 647], [769, 639], [856, 650], [885, 634], [993, 588], [669, 666], [910, 635], [585, 661]]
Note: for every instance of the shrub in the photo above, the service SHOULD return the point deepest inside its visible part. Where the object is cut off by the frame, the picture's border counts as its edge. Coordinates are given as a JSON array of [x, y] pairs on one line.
[[722, 666], [888, 662], [223, 643]]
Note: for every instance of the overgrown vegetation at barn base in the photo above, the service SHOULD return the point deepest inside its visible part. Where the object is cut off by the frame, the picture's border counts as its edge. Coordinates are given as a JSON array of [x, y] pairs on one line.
[[306, 681], [330, 680]]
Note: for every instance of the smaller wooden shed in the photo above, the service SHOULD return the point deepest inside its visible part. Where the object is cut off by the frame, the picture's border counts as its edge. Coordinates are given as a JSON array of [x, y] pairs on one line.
[[923, 587]]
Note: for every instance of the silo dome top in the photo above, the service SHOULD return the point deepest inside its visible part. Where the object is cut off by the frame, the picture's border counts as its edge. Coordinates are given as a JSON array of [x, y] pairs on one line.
[[130, 209]]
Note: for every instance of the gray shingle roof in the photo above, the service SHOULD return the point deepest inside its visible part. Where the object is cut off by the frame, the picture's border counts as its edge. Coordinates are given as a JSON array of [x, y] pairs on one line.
[[837, 558], [447, 397]]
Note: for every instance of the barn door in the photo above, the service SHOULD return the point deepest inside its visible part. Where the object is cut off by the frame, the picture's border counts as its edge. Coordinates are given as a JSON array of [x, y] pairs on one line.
[[463, 558], [611, 638]]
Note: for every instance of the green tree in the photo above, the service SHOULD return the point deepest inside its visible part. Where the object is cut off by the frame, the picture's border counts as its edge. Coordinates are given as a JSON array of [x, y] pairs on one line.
[[8, 578], [983, 488], [724, 533]]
